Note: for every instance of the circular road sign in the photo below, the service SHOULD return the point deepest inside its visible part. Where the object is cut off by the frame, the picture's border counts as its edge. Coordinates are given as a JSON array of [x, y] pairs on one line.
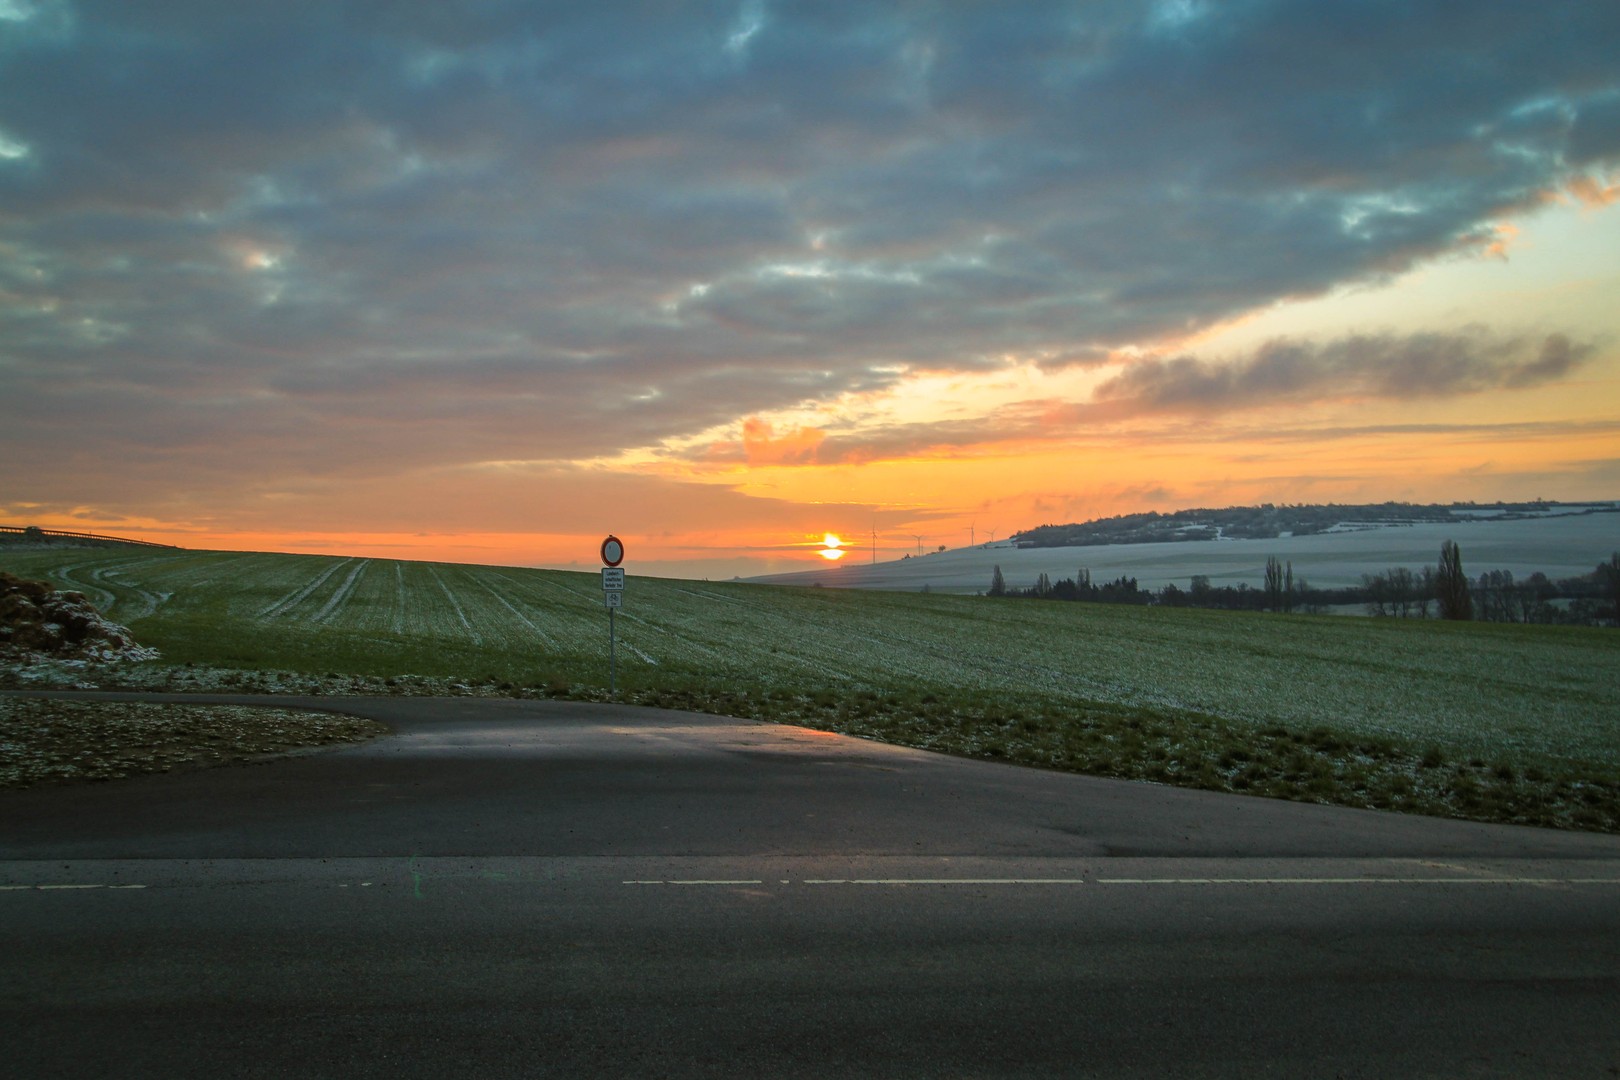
[[612, 551]]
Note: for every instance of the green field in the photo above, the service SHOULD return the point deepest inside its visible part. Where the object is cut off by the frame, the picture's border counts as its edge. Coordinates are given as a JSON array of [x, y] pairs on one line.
[[1492, 721]]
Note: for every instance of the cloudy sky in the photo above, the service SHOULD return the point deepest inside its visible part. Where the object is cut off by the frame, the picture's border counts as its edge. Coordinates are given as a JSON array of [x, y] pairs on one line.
[[485, 281]]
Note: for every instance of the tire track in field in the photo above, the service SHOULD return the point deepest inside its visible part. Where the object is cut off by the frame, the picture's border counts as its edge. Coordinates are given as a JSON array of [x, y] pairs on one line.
[[113, 574], [770, 626], [776, 626], [507, 604], [638, 652], [340, 599], [454, 603], [679, 629], [922, 657], [104, 580], [397, 623], [1017, 670], [767, 625], [587, 596], [903, 653], [297, 596], [93, 592], [149, 602]]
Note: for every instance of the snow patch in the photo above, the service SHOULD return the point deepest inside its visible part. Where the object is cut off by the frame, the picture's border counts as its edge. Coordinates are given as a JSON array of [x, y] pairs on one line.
[[39, 623]]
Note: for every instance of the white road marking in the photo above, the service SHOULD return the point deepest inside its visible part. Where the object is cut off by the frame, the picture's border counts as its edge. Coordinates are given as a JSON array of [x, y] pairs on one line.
[[666, 882], [945, 881], [1160, 881], [47, 888], [731, 882], [1360, 881]]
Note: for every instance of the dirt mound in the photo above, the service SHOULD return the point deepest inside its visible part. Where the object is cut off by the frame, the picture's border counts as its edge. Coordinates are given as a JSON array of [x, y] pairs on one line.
[[37, 622]]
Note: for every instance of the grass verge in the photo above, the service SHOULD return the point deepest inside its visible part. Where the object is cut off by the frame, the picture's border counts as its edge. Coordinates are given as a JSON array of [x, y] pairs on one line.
[[1192, 750], [53, 740]]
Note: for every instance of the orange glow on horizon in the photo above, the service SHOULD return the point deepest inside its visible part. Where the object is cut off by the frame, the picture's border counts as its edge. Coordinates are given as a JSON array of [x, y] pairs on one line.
[[697, 515]]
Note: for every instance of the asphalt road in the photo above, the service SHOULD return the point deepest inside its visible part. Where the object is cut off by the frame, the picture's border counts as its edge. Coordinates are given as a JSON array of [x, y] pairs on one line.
[[544, 889]]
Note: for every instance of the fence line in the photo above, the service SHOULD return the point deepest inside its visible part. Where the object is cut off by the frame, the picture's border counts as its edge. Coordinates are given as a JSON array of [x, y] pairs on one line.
[[30, 532]]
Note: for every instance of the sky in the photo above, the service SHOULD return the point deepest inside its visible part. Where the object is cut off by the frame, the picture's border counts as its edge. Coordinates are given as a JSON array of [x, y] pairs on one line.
[[485, 282]]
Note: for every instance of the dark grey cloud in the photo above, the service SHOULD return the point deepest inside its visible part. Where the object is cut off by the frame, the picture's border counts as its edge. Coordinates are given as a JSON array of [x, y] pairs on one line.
[[1367, 366], [1278, 373], [347, 237]]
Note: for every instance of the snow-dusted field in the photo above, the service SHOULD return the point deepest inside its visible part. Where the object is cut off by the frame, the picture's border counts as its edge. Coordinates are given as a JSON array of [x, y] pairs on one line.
[[1524, 692], [1557, 546]]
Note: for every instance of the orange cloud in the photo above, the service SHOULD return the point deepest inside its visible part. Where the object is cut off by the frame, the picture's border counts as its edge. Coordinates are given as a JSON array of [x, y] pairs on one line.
[[762, 446], [1504, 234], [1593, 194]]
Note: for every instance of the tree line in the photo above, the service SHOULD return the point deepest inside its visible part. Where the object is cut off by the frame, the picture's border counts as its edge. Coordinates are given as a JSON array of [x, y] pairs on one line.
[[1268, 520], [1441, 591]]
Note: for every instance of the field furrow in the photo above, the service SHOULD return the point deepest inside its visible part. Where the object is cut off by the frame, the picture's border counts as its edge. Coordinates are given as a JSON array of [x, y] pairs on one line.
[[299, 595], [338, 599], [455, 606], [68, 576], [396, 617], [135, 602], [366, 601], [573, 617], [483, 582]]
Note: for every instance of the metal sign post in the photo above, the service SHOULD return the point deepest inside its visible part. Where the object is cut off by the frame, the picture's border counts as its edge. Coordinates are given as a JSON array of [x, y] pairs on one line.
[[613, 597]]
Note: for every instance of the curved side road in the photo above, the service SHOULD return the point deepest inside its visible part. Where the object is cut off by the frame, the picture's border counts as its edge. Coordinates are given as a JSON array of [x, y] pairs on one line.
[[545, 888]]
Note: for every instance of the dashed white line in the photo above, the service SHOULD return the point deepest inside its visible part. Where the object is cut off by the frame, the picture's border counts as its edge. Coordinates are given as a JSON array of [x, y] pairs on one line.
[[52, 888], [1158, 881], [945, 881], [750, 881], [1360, 881]]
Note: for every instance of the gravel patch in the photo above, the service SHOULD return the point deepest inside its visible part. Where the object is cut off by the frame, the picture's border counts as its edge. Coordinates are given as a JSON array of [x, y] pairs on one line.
[[46, 741]]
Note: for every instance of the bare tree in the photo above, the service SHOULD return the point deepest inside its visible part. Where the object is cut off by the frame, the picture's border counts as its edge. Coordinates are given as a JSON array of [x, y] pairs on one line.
[[1451, 585], [1608, 574], [1402, 590], [1376, 588], [1494, 597], [1426, 589], [1274, 584]]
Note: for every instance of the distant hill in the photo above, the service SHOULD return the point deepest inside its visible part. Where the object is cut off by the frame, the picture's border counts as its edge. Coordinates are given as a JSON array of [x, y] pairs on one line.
[[1561, 540], [1269, 521]]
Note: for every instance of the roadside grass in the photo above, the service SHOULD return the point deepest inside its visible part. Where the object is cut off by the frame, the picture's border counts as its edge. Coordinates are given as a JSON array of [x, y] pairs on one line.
[[1186, 749], [1486, 722]]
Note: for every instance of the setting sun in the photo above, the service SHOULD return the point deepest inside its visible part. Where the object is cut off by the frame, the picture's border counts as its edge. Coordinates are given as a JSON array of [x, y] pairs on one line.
[[834, 547]]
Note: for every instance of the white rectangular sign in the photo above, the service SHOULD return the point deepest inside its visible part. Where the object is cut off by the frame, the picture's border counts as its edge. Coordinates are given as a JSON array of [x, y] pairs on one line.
[[614, 599], [612, 578]]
